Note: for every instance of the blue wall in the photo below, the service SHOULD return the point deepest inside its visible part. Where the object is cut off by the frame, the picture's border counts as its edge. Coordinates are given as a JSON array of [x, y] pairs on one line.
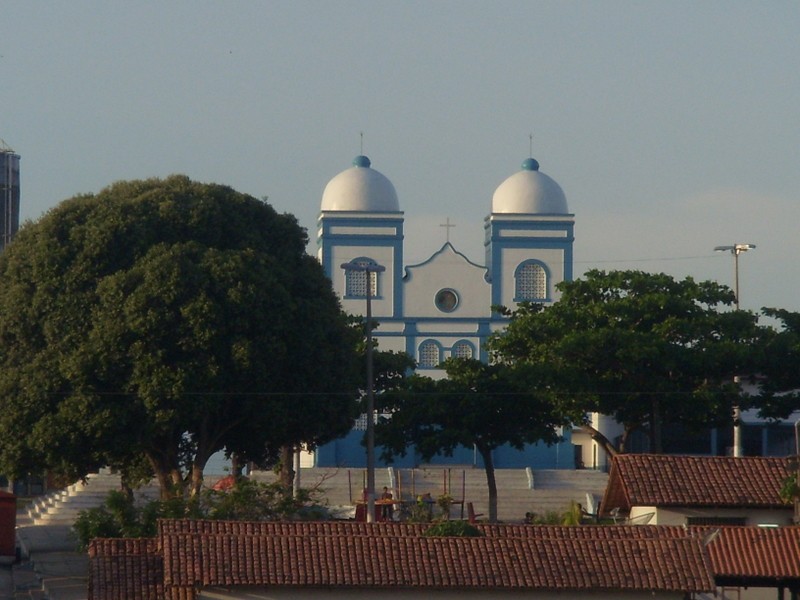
[[348, 451]]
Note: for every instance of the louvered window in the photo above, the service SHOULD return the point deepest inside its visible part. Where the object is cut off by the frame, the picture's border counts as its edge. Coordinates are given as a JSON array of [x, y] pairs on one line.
[[531, 282]]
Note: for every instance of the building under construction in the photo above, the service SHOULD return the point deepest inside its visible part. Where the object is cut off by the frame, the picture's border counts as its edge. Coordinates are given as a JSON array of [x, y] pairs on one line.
[[9, 194]]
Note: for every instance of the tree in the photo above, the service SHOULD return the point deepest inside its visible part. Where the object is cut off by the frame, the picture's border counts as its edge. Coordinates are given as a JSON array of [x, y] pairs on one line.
[[642, 347], [487, 406], [779, 369], [167, 319]]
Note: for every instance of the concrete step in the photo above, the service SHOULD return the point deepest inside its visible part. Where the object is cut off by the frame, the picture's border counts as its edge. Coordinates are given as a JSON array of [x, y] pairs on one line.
[[64, 506], [552, 491], [546, 479]]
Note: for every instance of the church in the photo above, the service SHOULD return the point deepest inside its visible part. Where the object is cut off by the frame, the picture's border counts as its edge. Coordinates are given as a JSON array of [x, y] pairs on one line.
[[442, 307]]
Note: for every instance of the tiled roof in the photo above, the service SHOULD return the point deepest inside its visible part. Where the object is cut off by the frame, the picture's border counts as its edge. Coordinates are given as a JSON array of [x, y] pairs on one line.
[[740, 553], [349, 554], [125, 568], [385, 561], [756, 553], [189, 554], [166, 526], [698, 481]]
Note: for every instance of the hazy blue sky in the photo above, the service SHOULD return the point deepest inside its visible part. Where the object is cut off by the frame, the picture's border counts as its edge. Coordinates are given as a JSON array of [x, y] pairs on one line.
[[672, 126]]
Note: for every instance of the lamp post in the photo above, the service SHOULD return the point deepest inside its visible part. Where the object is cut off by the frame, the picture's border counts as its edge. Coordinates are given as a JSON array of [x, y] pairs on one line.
[[736, 250], [368, 269]]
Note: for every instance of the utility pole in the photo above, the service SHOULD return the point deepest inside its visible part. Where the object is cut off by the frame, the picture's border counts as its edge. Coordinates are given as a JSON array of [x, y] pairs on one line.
[[736, 250], [369, 270]]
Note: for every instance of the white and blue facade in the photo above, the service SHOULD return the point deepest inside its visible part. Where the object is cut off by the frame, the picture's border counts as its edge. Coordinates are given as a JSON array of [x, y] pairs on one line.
[[442, 306]]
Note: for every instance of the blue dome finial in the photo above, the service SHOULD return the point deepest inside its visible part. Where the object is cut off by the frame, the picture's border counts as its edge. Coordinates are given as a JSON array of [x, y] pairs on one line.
[[530, 164], [361, 161]]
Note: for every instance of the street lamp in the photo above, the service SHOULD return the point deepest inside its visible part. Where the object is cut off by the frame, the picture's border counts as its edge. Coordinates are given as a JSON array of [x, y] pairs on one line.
[[736, 250], [368, 269]]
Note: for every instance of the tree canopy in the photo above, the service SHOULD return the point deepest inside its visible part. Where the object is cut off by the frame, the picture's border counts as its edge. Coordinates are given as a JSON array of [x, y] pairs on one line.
[[642, 347], [780, 366], [487, 406], [167, 319]]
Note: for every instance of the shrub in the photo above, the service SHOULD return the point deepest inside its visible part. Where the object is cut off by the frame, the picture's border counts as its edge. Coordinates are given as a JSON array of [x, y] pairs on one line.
[[119, 516], [452, 529]]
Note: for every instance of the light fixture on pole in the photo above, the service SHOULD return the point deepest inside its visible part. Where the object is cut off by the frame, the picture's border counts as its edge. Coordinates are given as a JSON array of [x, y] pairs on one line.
[[736, 250], [368, 270]]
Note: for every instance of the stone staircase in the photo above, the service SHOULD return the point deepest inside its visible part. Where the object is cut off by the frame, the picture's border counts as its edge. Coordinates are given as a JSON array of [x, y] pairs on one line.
[[519, 490], [61, 507]]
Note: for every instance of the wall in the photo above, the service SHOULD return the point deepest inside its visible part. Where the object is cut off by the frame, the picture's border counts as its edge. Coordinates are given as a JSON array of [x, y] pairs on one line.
[[678, 516]]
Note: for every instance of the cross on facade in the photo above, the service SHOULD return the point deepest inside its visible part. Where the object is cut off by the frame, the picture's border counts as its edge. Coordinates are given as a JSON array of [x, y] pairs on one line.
[[447, 225]]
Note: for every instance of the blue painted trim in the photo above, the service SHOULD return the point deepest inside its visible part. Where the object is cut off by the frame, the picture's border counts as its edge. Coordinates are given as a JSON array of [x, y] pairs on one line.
[[495, 245], [327, 242], [397, 277], [569, 262]]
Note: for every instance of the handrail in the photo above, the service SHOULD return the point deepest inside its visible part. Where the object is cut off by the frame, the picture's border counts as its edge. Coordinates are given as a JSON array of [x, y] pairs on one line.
[[529, 473]]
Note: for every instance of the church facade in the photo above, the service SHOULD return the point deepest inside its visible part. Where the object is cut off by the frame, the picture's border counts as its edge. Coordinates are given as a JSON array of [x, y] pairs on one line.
[[442, 307]]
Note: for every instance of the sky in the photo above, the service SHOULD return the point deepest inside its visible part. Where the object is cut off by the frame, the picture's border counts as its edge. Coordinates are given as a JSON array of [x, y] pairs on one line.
[[673, 127]]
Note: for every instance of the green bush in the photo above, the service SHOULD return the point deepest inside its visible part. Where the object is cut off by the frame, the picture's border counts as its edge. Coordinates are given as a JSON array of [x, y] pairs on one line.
[[452, 529], [119, 516], [95, 523]]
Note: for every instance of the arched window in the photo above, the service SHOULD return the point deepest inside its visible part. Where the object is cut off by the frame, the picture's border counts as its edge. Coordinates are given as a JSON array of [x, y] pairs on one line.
[[462, 349], [429, 354], [355, 282], [530, 282]]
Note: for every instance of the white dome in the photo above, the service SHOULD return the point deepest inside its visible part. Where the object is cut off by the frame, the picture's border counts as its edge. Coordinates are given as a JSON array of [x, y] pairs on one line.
[[529, 191], [360, 188]]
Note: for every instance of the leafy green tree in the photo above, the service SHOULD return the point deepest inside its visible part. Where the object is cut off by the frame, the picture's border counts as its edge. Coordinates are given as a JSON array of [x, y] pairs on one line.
[[121, 515], [167, 319], [642, 347], [779, 369], [487, 406]]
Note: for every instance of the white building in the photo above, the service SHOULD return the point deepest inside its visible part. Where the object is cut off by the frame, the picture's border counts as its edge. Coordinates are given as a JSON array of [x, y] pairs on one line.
[[442, 306]]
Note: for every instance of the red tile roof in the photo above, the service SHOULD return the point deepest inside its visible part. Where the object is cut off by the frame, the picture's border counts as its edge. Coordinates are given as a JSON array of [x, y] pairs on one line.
[[187, 554], [386, 561], [125, 568], [698, 481], [740, 553], [756, 553]]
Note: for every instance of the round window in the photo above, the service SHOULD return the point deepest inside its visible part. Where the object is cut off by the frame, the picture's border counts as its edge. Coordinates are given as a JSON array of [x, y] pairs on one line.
[[446, 300]]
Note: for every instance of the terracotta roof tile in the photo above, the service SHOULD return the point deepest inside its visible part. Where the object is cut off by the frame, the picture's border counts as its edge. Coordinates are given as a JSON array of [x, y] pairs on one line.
[[756, 553], [386, 560], [700, 481], [125, 568], [349, 554]]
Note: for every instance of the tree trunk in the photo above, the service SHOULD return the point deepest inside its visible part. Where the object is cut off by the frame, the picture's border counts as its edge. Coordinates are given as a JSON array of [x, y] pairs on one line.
[[491, 482], [598, 437], [623, 442], [657, 447], [236, 466], [287, 467], [168, 476], [196, 484]]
